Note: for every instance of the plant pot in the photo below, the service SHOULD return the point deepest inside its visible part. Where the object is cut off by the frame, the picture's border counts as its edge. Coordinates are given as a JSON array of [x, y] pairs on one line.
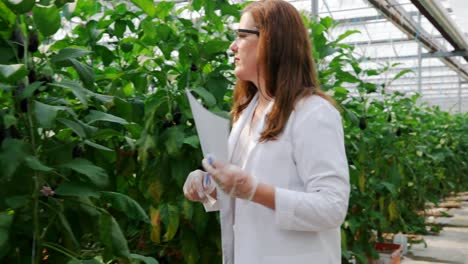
[[388, 253]]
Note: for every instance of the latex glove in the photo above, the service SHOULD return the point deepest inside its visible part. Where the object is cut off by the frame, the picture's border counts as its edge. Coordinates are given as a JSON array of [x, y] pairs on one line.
[[231, 179], [195, 189]]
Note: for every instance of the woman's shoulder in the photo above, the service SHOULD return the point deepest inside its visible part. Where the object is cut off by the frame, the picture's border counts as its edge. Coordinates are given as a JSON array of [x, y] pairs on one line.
[[315, 105]]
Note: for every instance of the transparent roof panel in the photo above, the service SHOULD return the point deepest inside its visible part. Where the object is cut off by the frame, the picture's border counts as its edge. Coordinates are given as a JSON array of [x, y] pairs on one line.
[[383, 41]]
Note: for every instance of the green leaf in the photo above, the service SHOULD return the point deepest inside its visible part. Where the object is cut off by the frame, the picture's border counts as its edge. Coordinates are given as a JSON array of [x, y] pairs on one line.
[[173, 140], [119, 28], [76, 88], [18, 201], [190, 247], [46, 19], [112, 236], [11, 156], [170, 218], [12, 73], [147, 6], [6, 219], [101, 116], [207, 96], [97, 146], [76, 127], [7, 17], [197, 4], [34, 163], [146, 260], [66, 54], [401, 73], [29, 90], [76, 189], [20, 7], [163, 9], [346, 34], [95, 174], [192, 141], [46, 114], [85, 72], [215, 46], [126, 205], [106, 55]]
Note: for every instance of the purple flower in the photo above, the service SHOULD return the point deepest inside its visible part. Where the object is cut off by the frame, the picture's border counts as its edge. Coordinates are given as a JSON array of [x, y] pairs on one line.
[[47, 191]]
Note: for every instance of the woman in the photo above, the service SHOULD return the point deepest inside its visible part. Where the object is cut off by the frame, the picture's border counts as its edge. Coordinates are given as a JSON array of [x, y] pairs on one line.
[[283, 193]]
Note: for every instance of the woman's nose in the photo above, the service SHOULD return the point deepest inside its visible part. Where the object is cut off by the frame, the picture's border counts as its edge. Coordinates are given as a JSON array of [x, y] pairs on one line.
[[233, 46]]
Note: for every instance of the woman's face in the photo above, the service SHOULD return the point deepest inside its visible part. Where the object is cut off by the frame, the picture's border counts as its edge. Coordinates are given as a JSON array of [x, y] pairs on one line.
[[245, 50]]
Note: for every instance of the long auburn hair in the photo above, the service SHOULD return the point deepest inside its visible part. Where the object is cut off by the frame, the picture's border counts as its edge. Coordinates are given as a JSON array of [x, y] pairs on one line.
[[284, 57]]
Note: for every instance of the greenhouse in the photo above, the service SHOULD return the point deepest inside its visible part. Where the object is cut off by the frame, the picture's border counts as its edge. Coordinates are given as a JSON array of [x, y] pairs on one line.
[[233, 132]]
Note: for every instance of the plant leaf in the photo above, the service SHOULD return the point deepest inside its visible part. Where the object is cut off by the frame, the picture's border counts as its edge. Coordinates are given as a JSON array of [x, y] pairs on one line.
[[6, 219], [47, 19], [101, 116], [85, 72], [95, 174], [146, 260], [66, 54], [34, 163], [112, 237], [76, 189], [170, 218], [46, 114], [125, 204], [147, 6], [12, 73]]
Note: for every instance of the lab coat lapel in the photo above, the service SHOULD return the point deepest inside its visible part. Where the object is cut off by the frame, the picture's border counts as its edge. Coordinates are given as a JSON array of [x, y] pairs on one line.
[[237, 127], [258, 130], [227, 203]]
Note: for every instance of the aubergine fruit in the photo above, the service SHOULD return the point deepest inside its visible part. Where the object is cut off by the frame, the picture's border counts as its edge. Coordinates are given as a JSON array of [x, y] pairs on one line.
[[193, 67], [362, 123], [33, 42], [389, 118], [398, 132], [18, 39]]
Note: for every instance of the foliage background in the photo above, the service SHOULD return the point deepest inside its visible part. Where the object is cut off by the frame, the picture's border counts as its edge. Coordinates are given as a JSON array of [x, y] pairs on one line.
[[97, 136]]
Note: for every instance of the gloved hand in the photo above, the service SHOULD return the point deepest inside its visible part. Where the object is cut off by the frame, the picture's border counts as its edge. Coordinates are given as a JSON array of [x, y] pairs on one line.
[[231, 179], [195, 189]]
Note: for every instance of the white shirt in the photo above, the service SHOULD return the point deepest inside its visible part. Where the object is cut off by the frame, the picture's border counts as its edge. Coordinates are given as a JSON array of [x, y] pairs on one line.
[[307, 165]]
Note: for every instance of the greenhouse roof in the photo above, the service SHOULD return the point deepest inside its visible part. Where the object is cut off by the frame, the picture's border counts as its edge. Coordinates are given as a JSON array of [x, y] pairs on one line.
[[429, 37]]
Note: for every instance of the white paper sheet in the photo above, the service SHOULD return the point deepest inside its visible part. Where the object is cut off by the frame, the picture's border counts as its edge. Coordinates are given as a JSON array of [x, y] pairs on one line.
[[213, 132]]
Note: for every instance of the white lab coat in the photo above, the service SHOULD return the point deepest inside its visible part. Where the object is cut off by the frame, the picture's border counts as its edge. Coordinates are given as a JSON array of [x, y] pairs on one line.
[[307, 165]]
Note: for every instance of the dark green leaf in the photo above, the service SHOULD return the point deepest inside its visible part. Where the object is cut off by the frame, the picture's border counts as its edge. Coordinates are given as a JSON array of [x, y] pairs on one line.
[[76, 189], [163, 9], [29, 90], [66, 54], [95, 174], [97, 146], [190, 247], [112, 236], [33, 163], [126, 205], [119, 28], [76, 127], [106, 55], [76, 88], [46, 19], [20, 7], [101, 116], [11, 156], [46, 114], [146, 260], [12, 73], [85, 72], [209, 99], [147, 6], [170, 218], [6, 219]]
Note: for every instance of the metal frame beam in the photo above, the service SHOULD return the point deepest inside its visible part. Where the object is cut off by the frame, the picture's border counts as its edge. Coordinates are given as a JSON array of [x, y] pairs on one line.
[[398, 16]]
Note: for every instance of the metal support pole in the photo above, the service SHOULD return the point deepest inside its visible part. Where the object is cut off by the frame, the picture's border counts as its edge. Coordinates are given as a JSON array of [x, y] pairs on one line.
[[459, 94], [419, 59], [314, 9]]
